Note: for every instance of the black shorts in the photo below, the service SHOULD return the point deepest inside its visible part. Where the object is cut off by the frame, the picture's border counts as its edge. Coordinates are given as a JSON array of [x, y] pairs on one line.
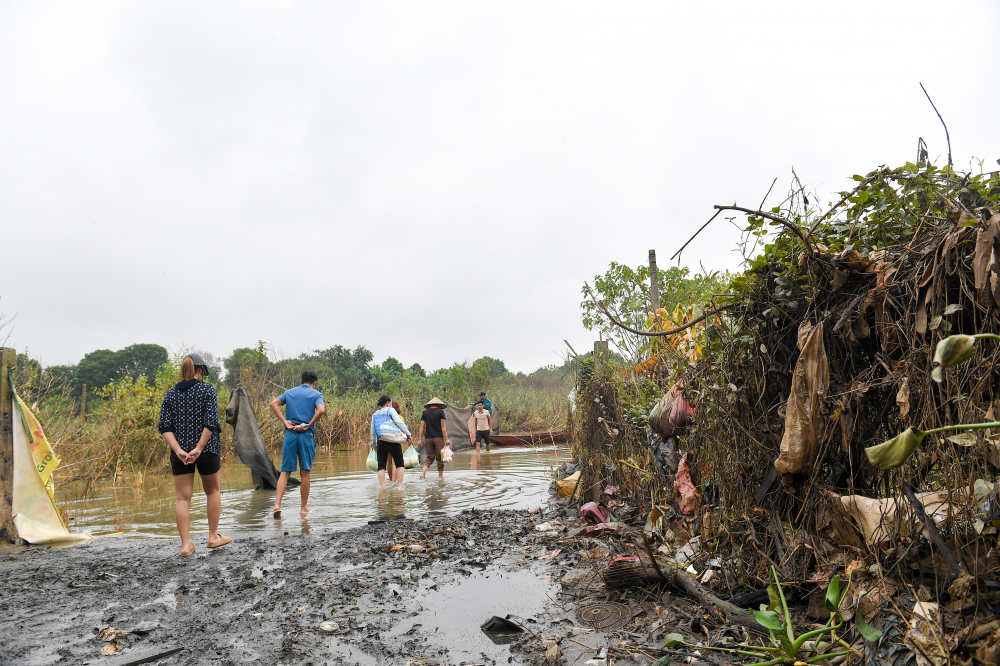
[[483, 436], [384, 449], [207, 464]]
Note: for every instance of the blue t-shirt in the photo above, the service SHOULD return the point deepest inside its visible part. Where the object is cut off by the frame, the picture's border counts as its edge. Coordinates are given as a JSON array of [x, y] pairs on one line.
[[300, 404]]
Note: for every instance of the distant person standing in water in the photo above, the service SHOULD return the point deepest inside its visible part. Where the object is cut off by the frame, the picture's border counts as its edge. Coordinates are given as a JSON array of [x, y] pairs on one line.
[[303, 407], [484, 424], [487, 405], [189, 423], [388, 433], [433, 426]]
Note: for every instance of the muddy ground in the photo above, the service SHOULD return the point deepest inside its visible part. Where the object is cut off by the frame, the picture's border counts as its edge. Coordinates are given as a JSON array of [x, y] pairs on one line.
[[389, 593]]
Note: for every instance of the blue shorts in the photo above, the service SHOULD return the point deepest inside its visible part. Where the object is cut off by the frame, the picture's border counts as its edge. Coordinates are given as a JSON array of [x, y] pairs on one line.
[[298, 450]]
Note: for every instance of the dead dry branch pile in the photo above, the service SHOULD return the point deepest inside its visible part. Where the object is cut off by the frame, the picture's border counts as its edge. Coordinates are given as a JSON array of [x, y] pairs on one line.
[[827, 350]]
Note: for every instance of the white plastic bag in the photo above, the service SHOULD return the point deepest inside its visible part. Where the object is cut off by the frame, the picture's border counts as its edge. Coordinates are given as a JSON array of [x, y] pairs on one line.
[[446, 454], [372, 462], [410, 457]]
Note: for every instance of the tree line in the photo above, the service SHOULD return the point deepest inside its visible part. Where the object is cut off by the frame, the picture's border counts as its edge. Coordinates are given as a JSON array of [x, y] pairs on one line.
[[340, 370]]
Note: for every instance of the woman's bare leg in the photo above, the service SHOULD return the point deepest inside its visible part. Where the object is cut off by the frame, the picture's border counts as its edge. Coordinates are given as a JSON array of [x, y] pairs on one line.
[[213, 502], [183, 487]]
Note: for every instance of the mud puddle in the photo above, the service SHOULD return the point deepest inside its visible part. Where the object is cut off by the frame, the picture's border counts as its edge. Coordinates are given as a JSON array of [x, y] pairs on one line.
[[450, 623], [391, 593]]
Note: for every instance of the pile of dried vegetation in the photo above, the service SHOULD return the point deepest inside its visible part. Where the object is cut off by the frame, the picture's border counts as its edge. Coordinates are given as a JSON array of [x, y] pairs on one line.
[[823, 349]]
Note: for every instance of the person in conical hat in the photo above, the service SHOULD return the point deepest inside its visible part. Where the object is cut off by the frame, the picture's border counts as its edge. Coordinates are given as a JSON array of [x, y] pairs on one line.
[[432, 424]]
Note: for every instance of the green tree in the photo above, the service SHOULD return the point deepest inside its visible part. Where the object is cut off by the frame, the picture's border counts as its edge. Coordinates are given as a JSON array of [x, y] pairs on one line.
[[393, 367], [495, 366], [417, 370], [141, 360], [625, 292], [245, 360], [97, 369], [351, 368]]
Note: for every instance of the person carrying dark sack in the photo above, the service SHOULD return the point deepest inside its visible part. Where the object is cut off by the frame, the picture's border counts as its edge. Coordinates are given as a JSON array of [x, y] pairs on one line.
[[189, 423]]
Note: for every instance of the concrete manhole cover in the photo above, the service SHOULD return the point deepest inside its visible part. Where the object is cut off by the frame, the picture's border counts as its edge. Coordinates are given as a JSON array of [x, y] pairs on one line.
[[604, 615]]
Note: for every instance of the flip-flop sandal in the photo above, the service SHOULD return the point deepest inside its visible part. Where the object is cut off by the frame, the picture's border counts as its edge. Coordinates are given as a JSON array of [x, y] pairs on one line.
[[188, 553], [223, 540]]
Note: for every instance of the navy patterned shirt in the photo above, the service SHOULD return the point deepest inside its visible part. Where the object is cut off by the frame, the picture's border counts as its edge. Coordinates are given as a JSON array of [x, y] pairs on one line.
[[186, 413]]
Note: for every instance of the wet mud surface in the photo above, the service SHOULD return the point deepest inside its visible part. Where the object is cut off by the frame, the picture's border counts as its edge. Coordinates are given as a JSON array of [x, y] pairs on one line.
[[396, 592]]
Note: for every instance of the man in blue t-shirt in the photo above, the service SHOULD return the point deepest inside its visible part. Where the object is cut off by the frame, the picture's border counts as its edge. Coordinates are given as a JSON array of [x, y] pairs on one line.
[[303, 407]]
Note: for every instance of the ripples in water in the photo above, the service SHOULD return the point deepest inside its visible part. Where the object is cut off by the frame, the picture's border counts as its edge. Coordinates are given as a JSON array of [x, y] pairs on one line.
[[344, 494]]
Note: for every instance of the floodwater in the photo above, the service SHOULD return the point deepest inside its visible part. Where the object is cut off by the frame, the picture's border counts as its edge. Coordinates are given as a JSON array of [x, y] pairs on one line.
[[344, 494]]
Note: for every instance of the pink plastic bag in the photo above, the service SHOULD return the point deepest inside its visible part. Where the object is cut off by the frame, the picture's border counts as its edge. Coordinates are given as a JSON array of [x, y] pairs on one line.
[[593, 513], [687, 495], [446, 454]]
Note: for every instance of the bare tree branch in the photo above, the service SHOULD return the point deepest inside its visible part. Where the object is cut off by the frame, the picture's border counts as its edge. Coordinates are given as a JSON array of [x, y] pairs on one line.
[[654, 334], [780, 220]]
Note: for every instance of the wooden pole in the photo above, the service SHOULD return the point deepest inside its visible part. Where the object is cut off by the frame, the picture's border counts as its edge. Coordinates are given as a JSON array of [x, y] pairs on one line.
[[8, 360], [654, 285], [83, 404], [600, 357]]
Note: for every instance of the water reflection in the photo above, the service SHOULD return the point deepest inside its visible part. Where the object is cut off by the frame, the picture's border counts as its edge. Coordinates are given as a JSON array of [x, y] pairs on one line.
[[344, 494], [391, 503]]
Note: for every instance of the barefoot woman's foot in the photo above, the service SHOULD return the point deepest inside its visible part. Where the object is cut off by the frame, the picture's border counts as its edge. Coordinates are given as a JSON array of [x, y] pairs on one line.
[[303, 512]]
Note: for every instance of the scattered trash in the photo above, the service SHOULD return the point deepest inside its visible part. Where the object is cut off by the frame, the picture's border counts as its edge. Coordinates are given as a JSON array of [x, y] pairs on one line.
[[593, 513], [626, 572], [688, 551], [501, 630], [672, 413], [566, 487], [604, 615], [603, 528], [887, 520], [803, 421], [684, 488], [329, 627]]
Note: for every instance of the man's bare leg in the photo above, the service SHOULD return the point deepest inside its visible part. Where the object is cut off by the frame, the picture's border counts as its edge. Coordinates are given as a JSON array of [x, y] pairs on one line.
[[282, 484], [304, 489]]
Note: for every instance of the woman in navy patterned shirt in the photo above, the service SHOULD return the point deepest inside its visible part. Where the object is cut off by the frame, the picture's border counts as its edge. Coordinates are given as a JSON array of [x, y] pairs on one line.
[[189, 422]]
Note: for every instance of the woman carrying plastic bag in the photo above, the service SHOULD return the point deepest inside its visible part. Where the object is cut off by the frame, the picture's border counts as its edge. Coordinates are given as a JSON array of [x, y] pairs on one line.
[[388, 432]]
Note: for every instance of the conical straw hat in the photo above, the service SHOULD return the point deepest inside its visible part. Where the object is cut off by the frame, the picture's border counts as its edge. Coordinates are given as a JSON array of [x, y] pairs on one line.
[[435, 401]]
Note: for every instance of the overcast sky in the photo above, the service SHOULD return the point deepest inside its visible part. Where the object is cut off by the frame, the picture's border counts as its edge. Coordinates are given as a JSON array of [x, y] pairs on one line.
[[434, 181]]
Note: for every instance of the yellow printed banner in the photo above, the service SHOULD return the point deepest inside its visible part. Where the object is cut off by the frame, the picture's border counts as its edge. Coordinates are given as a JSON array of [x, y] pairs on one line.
[[41, 452], [36, 516]]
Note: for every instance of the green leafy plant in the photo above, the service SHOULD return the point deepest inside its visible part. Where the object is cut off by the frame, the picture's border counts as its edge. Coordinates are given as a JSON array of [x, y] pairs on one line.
[[953, 350], [786, 647]]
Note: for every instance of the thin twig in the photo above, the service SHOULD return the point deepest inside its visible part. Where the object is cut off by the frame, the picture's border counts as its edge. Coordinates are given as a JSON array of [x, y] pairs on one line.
[[696, 233], [957, 567], [946, 135], [780, 220]]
